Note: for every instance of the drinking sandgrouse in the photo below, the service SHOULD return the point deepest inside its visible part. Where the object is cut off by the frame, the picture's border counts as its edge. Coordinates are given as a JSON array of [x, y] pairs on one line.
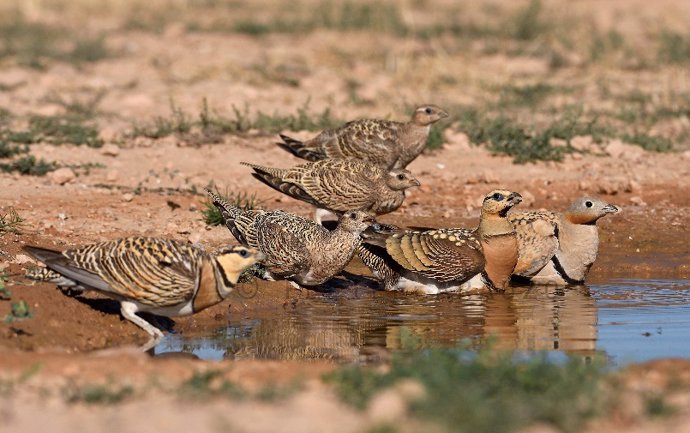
[[559, 248], [449, 259]]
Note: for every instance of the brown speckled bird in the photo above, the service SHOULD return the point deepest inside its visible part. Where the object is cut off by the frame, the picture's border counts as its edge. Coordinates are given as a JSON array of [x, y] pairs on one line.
[[340, 185], [386, 143], [158, 276], [443, 260], [296, 249], [559, 248]]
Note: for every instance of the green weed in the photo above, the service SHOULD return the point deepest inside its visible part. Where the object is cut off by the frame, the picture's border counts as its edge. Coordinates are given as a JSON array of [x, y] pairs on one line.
[[528, 95], [10, 222], [527, 23], [97, 394], [29, 165], [5, 294], [649, 142], [19, 311], [466, 390], [62, 129], [674, 47], [207, 384], [504, 136]]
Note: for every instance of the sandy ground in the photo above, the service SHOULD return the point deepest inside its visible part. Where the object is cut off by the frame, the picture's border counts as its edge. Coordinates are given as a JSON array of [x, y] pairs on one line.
[[150, 187]]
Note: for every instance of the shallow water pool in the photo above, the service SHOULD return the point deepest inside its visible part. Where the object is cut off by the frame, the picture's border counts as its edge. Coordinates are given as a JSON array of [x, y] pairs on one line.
[[625, 320]]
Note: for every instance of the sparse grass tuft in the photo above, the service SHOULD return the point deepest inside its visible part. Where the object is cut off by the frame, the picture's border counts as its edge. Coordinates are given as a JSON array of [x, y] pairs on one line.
[[504, 136], [529, 95], [64, 129], [207, 384], [465, 389], [10, 222], [97, 394], [29, 165], [242, 200], [527, 24], [88, 50], [649, 142], [674, 47], [18, 311], [5, 294]]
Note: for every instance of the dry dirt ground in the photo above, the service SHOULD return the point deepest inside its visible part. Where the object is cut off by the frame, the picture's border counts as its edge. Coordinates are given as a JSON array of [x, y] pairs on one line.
[[138, 185]]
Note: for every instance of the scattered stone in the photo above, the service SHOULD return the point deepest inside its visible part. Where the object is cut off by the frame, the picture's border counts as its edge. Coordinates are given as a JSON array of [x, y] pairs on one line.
[[21, 259], [583, 143], [184, 230], [62, 216], [62, 175], [584, 185], [110, 150], [685, 155], [193, 207], [619, 150], [127, 197], [558, 142], [111, 176], [633, 186], [637, 201], [485, 177]]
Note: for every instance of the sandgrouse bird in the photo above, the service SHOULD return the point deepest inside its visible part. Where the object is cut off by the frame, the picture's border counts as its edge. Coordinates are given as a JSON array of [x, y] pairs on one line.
[[159, 276], [296, 249], [444, 260], [340, 185], [386, 143], [560, 248]]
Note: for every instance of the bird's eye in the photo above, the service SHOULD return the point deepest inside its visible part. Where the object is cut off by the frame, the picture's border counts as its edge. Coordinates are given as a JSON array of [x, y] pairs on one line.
[[428, 110], [244, 253], [498, 196], [353, 215], [588, 203], [401, 176]]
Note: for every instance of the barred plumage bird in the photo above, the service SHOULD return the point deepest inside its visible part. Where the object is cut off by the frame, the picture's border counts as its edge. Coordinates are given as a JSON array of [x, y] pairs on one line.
[[340, 185], [449, 259], [383, 142], [296, 249], [160, 276], [559, 248]]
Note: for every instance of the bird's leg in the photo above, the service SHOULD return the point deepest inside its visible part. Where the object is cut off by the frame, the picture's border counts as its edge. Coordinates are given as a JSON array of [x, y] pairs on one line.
[[128, 310]]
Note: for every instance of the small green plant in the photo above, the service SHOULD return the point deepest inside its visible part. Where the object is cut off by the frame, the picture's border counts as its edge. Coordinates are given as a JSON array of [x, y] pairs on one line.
[[19, 311], [504, 136], [242, 200], [527, 23], [466, 389], [178, 123], [528, 95], [88, 50], [97, 394], [674, 47], [649, 142], [29, 165], [207, 384], [5, 294], [10, 222], [64, 129]]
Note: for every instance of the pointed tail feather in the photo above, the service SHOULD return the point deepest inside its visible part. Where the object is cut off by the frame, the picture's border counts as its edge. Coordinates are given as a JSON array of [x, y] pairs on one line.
[[42, 254], [300, 150], [271, 171], [229, 211]]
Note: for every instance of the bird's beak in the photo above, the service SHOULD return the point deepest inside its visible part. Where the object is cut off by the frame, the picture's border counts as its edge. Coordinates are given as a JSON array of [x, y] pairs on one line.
[[514, 198], [415, 182], [442, 114], [609, 208]]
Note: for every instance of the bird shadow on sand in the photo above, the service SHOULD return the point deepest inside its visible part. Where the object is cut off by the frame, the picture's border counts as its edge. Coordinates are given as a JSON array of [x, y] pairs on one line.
[[110, 306]]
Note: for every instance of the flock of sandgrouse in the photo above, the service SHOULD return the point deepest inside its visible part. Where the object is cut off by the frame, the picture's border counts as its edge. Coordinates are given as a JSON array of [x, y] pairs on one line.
[[356, 171]]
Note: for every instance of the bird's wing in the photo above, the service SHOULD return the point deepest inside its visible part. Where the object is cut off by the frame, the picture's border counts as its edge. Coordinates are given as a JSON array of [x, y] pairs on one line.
[[339, 184], [371, 140], [286, 252], [537, 235], [443, 254], [151, 271]]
